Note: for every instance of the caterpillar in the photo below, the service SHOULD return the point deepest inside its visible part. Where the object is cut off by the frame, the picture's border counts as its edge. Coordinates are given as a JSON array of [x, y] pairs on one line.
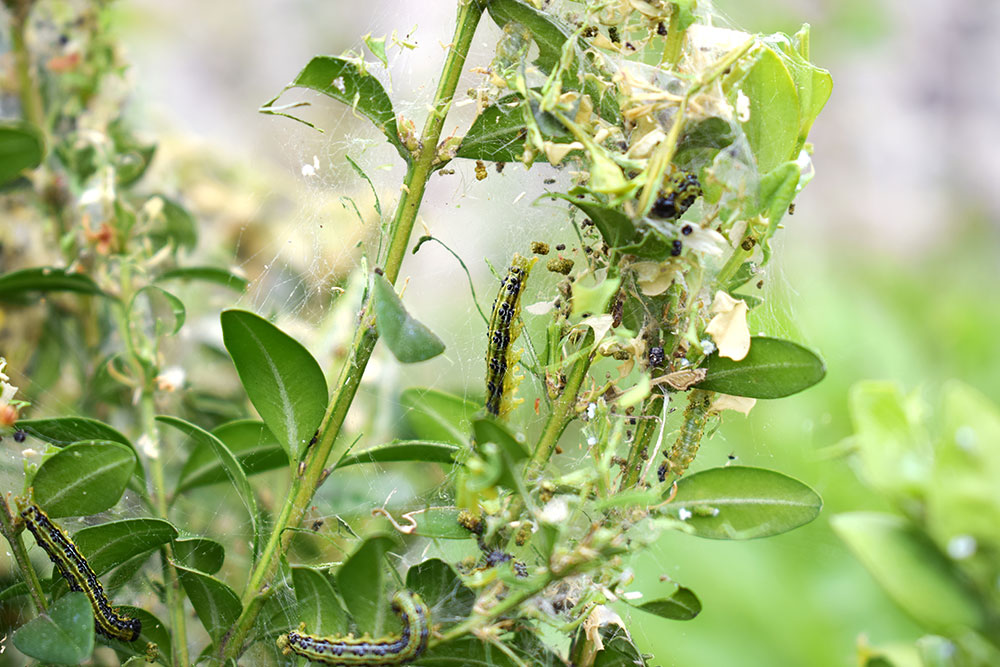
[[78, 573], [347, 651], [685, 448], [681, 191], [503, 331]]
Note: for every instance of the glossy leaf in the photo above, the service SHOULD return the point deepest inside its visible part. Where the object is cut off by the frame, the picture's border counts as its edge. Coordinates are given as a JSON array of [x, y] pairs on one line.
[[346, 82], [497, 134], [284, 382], [437, 523], [683, 605], [21, 147], [404, 450], [45, 279], [249, 440], [319, 605], [615, 227], [488, 429], [229, 463], [199, 553], [216, 605], [61, 431], [912, 570], [83, 479], [362, 583], [153, 632], [437, 415], [64, 635], [110, 544], [441, 589], [409, 340], [773, 368], [742, 503], [205, 274]]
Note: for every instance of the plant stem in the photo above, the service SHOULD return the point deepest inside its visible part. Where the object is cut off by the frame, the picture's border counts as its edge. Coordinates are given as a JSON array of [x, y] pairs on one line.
[[21, 556], [640, 446], [675, 38], [304, 485], [499, 609], [31, 98]]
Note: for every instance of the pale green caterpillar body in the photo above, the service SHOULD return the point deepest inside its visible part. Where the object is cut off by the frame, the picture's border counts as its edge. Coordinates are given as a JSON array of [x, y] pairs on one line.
[[503, 331], [685, 448], [78, 573], [349, 650]]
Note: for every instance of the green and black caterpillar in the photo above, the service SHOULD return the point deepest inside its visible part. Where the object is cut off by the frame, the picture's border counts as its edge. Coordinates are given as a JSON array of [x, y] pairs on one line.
[[347, 651], [503, 331]]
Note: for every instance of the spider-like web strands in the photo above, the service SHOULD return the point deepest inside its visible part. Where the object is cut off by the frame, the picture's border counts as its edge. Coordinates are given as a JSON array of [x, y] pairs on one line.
[[81, 577], [347, 651]]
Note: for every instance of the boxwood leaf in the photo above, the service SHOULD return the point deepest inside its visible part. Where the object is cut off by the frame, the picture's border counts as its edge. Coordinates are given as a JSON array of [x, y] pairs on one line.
[[64, 635], [45, 279], [82, 479], [362, 583], [110, 544], [318, 603], [437, 415], [153, 632], [742, 503], [347, 82], [199, 553], [438, 585], [62, 431], [207, 274], [249, 440], [409, 340], [912, 570], [21, 147], [215, 603], [404, 450], [773, 368], [284, 382], [226, 459], [683, 605]]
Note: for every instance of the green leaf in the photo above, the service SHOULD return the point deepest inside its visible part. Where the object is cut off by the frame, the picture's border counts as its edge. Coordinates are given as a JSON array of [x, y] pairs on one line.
[[175, 225], [45, 279], [474, 652], [132, 157], [110, 544], [207, 274], [284, 382], [773, 368], [683, 605], [362, 583], [701, 142], [409, 340], [83, 479], [65, 635], [615, 227], [319, 606], [229, 463], [437, 523], [742, 503], [404, 450], [550, 35], [216, 605], [346, 82], [593, 300], [143, 312], [619, 651], [62, 431], [249, 440], [199, 553], [21, 147], [437, 415], [440, 588], [773, 126], [915, 574], [497, 134], [153, 632], [487, 429]]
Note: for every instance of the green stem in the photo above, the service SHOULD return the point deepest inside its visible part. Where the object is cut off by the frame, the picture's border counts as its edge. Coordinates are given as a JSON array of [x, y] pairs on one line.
[[675, 38], [499, 609], [640, 445], [313, 467], [32, 108], [21, 556]]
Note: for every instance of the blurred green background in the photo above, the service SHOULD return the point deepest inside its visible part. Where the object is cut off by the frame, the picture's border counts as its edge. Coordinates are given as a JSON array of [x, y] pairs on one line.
[[889, 266]]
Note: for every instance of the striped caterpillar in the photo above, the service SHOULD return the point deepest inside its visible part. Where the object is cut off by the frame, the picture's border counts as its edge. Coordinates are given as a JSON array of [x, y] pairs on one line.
[[78, 573], [688, 440], [503, 331], [346, 651]]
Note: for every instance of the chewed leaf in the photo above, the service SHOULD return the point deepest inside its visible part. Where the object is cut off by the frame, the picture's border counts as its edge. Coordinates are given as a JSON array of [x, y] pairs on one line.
[[346, 81], [409, 340]]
